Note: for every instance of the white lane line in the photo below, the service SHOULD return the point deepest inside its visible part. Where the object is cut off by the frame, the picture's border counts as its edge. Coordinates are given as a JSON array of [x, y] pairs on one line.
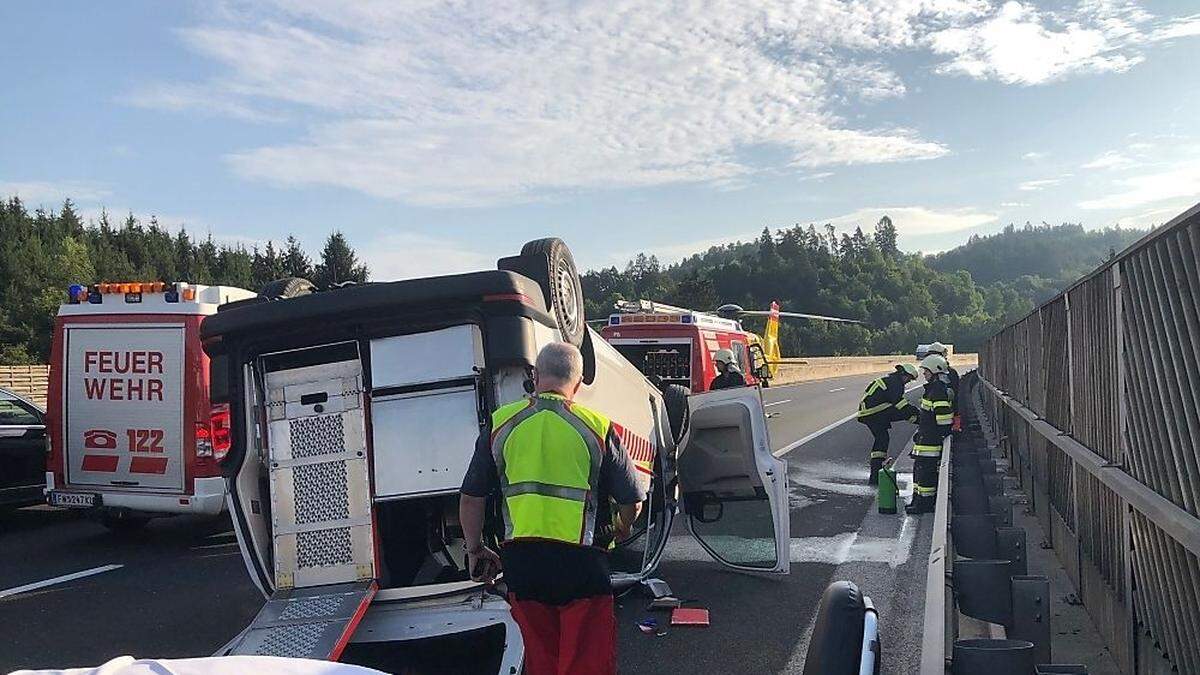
[[58, 580], [795, 444], [786, 400], [838, 389]]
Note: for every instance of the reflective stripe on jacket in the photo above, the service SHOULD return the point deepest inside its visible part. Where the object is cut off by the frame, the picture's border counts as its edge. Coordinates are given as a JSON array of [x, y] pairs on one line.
[[883, 394], [934, 417], [548, 453]]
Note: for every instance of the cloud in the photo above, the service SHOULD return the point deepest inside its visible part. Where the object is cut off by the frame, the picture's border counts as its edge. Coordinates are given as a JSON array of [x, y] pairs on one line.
[[1109, 160], [1035, 185], [1179, 181], [1188, 26], [1020, 44], [1033, 156], [914, 221], [176, 97], [484, 103], [1013, 205], [407, 255], [52, 194]]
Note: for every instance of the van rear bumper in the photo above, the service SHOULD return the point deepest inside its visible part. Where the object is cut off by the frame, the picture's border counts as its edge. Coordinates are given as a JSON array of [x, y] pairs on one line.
[[208, 499]]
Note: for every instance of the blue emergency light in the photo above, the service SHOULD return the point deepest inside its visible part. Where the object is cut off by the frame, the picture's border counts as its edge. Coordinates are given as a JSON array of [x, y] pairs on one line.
[[73, 293], [614, 320]]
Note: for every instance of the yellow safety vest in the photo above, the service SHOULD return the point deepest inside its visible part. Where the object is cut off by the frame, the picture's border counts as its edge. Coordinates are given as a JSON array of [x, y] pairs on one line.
[[548, 453]]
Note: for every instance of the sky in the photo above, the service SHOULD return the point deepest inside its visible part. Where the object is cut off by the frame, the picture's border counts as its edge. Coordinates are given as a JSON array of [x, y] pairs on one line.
[[440, 136]]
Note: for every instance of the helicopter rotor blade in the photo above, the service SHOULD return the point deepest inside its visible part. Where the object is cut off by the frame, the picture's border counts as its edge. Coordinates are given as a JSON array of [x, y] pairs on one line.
[[799, 315]]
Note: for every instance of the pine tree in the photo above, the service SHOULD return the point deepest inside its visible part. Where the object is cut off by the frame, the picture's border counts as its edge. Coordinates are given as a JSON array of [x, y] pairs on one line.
[[886, 237], [339, 263], [295, 262]]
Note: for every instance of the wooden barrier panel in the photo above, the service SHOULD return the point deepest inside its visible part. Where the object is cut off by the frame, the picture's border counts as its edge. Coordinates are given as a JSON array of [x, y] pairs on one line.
[[27, 381]]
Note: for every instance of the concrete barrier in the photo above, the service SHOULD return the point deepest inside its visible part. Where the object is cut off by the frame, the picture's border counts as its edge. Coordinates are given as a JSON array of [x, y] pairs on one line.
[[792, 371], [30, 381]]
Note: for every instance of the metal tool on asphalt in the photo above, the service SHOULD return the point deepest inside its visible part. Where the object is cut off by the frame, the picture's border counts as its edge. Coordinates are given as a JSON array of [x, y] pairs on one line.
[[887, 488]]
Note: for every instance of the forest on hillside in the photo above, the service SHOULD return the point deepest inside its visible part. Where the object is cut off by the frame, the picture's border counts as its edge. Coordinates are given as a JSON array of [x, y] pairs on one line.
[[42, 253], [900, 298], [961, 296]]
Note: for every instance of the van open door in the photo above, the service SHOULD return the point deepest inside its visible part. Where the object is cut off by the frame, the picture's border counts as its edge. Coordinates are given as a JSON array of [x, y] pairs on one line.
[[734, 490]]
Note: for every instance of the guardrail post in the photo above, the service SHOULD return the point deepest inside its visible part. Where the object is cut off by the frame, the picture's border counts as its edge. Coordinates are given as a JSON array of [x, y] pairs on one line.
[[1031, 614], [1126, 511]]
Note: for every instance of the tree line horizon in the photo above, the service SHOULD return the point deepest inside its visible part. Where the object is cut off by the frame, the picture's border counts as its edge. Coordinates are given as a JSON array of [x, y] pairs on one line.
[[959, 296]]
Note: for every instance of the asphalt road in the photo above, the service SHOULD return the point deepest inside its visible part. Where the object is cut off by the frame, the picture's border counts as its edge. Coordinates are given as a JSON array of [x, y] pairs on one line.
[[181, 589], [761, 624]]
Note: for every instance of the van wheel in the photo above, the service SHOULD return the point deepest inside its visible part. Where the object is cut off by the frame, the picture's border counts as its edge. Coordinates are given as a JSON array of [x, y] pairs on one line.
[[287, 287], [564, 293], [123, 524], [675, 398]]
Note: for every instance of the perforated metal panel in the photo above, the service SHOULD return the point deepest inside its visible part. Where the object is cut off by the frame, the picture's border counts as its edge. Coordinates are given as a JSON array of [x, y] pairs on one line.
[[311, 623], [320, 486]]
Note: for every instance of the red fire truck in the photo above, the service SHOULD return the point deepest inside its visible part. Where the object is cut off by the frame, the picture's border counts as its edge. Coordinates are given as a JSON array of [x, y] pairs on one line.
[[677, 345], [128, 408]]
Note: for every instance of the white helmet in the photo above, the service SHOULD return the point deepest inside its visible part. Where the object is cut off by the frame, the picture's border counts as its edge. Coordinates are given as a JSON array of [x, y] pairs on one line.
[[723, 356], [935, 364], [937, 348]]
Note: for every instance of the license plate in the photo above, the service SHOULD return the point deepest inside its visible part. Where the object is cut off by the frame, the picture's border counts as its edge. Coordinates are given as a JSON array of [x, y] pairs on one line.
[[75, 499]]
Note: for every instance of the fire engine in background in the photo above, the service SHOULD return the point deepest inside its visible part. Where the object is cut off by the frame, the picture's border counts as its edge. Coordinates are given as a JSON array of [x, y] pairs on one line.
[[677, 345], [128, 408]]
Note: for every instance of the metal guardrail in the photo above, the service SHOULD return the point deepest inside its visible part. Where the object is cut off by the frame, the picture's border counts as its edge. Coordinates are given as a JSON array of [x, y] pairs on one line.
[[1097, 395], [934, 634]]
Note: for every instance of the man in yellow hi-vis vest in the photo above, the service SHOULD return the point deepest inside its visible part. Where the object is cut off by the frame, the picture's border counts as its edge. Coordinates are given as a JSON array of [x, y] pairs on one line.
[[557, 466]]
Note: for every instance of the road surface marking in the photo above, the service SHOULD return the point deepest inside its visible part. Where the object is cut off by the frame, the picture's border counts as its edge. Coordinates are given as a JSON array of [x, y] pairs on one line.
[[211, 546], [58, 580], [795, 444], [786, 400], [838, 389]]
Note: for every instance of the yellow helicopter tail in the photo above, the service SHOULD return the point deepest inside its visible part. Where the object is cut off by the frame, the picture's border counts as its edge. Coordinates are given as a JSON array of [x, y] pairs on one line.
[[770, 341]]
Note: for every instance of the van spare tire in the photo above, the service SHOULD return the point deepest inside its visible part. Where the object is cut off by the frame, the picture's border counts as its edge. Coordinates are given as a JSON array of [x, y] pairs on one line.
[[287, 287], [675, 400], [563, 291]]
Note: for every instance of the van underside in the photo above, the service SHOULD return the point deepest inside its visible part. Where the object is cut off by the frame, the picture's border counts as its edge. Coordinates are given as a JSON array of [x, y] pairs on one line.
[[355, 413]]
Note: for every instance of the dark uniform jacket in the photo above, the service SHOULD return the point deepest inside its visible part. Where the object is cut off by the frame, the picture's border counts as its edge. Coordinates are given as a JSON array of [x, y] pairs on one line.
[[952, 380], [884, 402], [934, 417], [728, 380]]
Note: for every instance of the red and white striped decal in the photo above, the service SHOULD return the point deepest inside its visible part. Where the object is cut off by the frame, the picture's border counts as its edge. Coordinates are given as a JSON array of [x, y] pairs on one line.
[[640, 449]]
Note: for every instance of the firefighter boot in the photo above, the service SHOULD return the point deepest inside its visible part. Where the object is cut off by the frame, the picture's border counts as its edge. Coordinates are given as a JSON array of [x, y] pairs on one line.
[[918, 505], [876, 463]]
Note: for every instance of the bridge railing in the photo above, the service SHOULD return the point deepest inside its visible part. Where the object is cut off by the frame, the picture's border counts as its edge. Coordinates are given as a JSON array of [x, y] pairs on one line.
[[1097, 395]]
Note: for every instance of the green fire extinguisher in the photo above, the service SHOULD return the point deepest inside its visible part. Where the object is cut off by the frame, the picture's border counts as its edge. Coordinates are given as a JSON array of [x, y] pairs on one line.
[[889, 492]]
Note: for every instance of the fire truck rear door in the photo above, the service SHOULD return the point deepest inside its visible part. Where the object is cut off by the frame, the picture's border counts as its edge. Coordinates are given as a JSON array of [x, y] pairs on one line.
[[123, 405]]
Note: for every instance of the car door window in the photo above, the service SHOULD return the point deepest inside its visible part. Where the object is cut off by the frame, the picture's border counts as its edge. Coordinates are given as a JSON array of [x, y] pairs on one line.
[[12, 413], [734, 490]]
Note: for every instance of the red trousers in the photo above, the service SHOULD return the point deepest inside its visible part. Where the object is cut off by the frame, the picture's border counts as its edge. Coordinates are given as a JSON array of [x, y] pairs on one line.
[[578, 638]]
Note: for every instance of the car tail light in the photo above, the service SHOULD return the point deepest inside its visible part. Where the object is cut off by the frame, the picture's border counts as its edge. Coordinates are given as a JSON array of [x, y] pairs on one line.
[[204, 447], [222, 438]]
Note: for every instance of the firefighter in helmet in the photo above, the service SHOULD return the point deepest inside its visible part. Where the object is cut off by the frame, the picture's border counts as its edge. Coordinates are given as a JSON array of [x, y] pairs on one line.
[[950, 378], [730, 375], [934, 417], [882, 404]]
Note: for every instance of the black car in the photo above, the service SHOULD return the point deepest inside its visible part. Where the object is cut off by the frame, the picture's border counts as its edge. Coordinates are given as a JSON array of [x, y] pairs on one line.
[[22, 451]]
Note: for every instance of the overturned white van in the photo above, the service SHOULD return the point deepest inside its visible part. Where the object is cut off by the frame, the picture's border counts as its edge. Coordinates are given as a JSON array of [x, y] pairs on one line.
[[353, 414]]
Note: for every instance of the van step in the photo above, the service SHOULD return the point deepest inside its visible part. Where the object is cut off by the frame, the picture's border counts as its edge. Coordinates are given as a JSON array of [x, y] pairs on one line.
[[307, 623]]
